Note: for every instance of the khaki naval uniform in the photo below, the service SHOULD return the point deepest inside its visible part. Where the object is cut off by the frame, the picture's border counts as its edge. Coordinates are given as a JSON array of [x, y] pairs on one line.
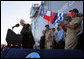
[[49, 39], [71, 34]]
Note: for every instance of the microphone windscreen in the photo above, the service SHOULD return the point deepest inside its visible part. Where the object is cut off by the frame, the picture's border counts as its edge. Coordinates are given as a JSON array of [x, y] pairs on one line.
[[17, 25]]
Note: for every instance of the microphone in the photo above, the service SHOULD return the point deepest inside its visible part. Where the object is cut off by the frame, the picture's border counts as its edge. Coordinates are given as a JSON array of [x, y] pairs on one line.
[[17, 25]]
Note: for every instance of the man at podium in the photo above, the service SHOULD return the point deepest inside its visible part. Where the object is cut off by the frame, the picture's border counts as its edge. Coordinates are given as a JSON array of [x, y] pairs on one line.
[[28, 40]]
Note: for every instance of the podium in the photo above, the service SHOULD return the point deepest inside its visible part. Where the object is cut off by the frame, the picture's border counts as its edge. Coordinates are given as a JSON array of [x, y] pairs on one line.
[[13, 40], [44, 53]]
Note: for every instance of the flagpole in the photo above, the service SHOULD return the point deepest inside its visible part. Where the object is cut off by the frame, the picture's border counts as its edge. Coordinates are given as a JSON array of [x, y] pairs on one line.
[[48, 9]]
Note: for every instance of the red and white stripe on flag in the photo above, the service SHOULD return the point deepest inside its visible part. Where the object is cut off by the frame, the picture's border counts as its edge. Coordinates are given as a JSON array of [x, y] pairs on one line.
[[47, 15], [39, 11]]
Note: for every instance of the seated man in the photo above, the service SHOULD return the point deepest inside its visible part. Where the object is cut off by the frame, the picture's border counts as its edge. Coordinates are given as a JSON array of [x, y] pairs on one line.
[[28, 40]]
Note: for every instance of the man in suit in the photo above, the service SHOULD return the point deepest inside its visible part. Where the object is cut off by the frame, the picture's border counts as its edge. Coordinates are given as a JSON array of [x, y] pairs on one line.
[[28, 40]]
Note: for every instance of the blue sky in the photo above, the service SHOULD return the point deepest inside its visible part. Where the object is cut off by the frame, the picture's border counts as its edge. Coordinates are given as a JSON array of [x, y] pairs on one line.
[[11, 13]]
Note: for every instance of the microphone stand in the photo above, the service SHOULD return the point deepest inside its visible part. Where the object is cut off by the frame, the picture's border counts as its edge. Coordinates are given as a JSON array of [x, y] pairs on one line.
[[13, 27]]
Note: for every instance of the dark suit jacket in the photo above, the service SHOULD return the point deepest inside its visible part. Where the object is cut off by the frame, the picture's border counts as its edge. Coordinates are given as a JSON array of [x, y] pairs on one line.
[[28, 40], [42, 42]]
